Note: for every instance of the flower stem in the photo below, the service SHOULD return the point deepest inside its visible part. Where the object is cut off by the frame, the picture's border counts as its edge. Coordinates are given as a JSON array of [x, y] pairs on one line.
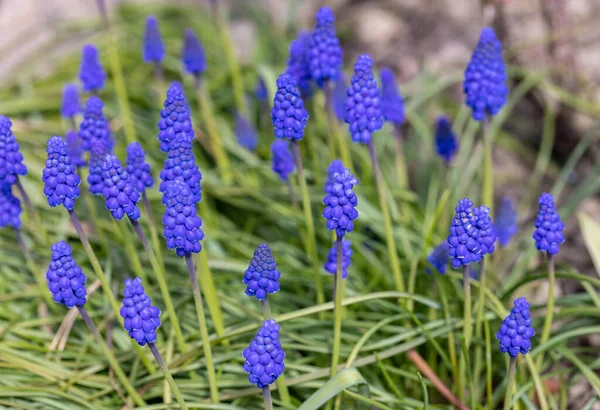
[[292, 194], [114, 364], [168, 376], [311, 241], [267, 396], [401, 172], [335, 131], [153, 232], [210, 368], [510, 384], [266, 308], [550, 308], [327, 90], [32, 212], [337, 311], [391, 242], [467, 311], [488, 171], [36, 272], [210, 294], [162, 284]]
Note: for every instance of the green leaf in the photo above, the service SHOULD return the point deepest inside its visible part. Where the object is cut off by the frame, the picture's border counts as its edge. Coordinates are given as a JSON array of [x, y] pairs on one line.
[[341, 381], [590, 230]]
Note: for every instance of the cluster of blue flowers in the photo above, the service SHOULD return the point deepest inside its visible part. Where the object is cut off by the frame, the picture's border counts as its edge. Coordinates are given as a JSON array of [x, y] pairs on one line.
[[91, 72], [549, 228], [264, 357], [392, 104], [283, 161], [324, 50], [262, 276], [61, 181], [10, 207], [154, 49], [66, 280], [331, 263], [298, 65], [288, 113], [11, 159], [183, 228], [141, 317], [119, 190], [94, 179], [137, 168], [175, 117], [94, 126], [516, 330], [340, 203]]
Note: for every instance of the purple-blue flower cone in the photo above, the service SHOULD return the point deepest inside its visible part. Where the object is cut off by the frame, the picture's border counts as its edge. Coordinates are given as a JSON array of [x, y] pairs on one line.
[[262, 276], [487, 232], [70, 106], [154, 49], [11, 159], [265, 356], [74, 149], [288, 113], [392, 104], [10, 207], [340, 203], [331, 264], [516, 330], [464, 235], [298, 65], [446, 143], [506, 221], [193, 56], [336, 167], [175, 117], [94, 126], [325, 53], [137, 167], [61, 181], [338, 97], [283, 161], [91, 73], [181, 164], [182, 227], [141, 317], [439, 257], [94, 179], [66, 280], [119, 190], [549, 229]]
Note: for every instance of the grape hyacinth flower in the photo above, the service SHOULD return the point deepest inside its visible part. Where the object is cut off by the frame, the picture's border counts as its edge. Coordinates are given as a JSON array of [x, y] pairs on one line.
[[175, 117], [487, 232], [265, 356], [95, 127], [137, 168], [245, 132], [70, 106], [181, 164], [506, 221], [548, 234], [94, 179], [336, 167], [283, 162], [119, 190], [340, 203], [260, 90], [392, 104], [445, 140], [439, 258], [485, 77], [91, 73], [183, 228], [363, 108], [74, 149], [61, 181], [340, 89], [325, 53], [141, 317], [298, 65], [154, 49], [193, 56], [66, 280], [331, 263], [11, 159], [10, 207], [288, 113], [262, 276]]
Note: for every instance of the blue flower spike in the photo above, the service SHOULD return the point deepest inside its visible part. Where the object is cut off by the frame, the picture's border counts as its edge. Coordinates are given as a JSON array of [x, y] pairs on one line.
[[193, 56], [181, 164], [439, 257], [182, 227], [141, 317], [464, 246], [10, 207], [549, 229], [74, 149], [61, 181], [95, 126], [298, 65], [262, 276], [445, 140], [363, 103], [331, 263], [119, 190], [91, 73], [288, 113], [325, 53], [245, 132], [485, 77], [506, 221], [340, 89], [70, 106], [11, 159], [516, 330], [340, 203], [487, 231], [94, 179], [392, 104], [137, 168], [66, 280], [283, 161], [336, 167], [175, 117], [154, 49], [265, 356]]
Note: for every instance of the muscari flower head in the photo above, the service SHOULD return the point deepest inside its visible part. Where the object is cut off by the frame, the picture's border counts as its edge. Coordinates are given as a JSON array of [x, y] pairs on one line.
[[66, 280], [340, 89], [61, 181], [298, 64], [183, 228], [485, 77], [324, 50], [439, 257], [94, 125], [154, 49], [363, 107], [91, 73], [245, 132], [74, 149], [175, 117], [516, 330], [264, 357], [262, 276], [463, 240], [119, 190], [194, 59], [331, 264], [94, 179], [288, 114], [70, 106], [487, 232], [392, 104], [336, 167], [283, 161], [181, 164], [260, 90], [11, 159], [141, 317], [137, 167], [506, 221], [10, 207], [445, 140], [340, 203], [548, 234]]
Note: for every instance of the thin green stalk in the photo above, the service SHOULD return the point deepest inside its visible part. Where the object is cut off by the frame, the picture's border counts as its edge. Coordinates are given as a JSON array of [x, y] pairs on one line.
[[210, 294], [292, 194], [479, 318], [488, 363], [208, 118], [451, 343], [210, 368], [549, 310], [467, 311], [311, 240], [153, 231], [168, 376], [266, 309], [335, 131], [32, 212], [36, 272], [337, 311], [284, 393], [389, 233], [89, 251], [401, 172], [488, 170], [162, 284], [114, 364], [267, 397], [511, 383]]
